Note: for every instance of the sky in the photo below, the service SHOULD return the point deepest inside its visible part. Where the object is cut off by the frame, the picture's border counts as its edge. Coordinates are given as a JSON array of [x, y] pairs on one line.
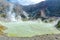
[[27, 2]]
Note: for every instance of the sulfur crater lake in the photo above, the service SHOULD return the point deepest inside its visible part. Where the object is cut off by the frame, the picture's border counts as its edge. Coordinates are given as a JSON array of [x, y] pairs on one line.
[[29, 28]]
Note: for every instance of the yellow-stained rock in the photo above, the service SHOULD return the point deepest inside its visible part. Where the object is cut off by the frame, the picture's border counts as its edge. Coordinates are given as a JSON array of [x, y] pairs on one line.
[[2, 28]]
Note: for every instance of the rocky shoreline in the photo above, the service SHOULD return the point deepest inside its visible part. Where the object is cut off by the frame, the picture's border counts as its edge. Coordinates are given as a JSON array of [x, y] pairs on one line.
[[41, 37]]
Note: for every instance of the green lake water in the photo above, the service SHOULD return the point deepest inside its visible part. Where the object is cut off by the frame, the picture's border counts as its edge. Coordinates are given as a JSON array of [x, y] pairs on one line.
[[29, 28]]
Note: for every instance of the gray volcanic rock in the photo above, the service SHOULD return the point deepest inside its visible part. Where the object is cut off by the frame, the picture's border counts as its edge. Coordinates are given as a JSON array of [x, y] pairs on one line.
[[41, 37]]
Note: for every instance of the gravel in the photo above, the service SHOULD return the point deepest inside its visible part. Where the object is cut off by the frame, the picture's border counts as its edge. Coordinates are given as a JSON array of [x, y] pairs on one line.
[[41, 37]]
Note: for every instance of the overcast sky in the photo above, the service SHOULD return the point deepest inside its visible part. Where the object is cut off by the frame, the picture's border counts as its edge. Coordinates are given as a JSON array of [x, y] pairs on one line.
[[27, 2]]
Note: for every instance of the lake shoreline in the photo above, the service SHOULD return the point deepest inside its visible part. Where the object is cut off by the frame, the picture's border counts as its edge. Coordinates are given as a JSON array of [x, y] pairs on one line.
[[41, 37]]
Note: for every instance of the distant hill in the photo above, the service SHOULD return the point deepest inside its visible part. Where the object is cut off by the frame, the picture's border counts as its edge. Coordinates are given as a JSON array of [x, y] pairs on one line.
[[51, 7]]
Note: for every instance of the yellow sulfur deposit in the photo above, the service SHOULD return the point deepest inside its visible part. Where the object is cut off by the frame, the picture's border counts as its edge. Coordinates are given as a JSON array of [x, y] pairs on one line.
[[2, 28]]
